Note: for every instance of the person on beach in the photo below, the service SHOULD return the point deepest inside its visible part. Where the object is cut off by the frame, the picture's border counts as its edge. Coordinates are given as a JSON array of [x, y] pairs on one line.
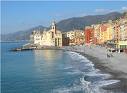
[[111, 54], [108, 55]]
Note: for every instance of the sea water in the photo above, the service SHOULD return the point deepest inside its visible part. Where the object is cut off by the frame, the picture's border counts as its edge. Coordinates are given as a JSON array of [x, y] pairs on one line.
[[49, 71]]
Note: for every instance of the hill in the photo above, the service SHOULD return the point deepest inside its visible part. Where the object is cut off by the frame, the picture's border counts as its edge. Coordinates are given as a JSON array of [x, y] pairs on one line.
[[81, 22], [64, 25], [20, 35]]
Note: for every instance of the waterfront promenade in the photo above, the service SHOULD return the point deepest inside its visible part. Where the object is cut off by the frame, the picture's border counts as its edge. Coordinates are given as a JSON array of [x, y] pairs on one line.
[[117, 64]]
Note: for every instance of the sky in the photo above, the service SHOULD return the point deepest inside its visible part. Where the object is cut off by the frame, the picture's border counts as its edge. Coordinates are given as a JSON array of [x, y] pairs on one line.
[[22, 15]]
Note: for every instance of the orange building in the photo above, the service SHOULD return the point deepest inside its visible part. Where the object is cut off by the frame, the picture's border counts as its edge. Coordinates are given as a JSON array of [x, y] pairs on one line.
[[89, 35]]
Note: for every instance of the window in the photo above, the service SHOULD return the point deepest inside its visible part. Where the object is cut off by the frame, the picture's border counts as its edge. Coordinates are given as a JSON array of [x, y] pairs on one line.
[[52, 35]]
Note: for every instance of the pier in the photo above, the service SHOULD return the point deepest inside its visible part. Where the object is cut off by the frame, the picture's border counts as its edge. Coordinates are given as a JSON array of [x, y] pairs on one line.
[[28, 47]]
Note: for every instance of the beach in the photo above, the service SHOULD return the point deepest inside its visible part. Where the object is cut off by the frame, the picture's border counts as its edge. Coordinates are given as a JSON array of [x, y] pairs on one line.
[[115, 65]]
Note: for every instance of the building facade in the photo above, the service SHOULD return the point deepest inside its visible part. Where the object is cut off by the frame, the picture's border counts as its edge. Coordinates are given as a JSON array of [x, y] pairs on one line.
[[76, 37], [89, 35], [71, 36], [65, 39], [52, 37], [79, 37], [113, 33]]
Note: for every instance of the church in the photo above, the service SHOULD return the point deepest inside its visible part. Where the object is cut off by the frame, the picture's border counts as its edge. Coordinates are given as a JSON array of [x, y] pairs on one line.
[[52, 37]]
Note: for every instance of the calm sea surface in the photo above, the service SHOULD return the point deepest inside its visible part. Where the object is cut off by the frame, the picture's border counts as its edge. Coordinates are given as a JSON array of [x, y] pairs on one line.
[[49, 71]]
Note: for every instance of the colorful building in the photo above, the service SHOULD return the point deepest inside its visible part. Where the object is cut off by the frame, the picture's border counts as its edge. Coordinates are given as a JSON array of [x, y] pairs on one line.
[[76, 37], [102, 33], [122, 45], [89, 34], [79, 37], [96, 33]]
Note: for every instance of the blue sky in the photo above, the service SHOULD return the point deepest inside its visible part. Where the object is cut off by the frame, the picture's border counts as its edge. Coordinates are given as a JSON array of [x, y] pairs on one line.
[[22, 15]]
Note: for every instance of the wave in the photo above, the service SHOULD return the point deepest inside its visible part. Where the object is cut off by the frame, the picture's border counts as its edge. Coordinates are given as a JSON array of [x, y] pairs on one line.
[[77, 56], [69, 67], [84, 87], [74, 72], [91, 80], [107, 82], [95, 74]]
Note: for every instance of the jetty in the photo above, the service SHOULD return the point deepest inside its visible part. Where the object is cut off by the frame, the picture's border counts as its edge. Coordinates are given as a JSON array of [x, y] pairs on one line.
[[21, 49], [29, 46]]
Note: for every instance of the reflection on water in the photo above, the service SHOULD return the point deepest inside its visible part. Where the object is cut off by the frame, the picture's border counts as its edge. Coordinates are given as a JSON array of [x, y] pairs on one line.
[[47, 59], [31, 71], [47, 55]]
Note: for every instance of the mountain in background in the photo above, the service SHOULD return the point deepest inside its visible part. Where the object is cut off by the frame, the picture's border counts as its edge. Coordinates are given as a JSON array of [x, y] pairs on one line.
[[64, 25], [21, 35], [81, 22]]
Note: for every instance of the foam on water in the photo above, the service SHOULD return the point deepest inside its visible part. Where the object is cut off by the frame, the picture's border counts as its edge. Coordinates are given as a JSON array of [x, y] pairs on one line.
[[74, 72], [107, 82], [93, 74], [66, 68], [91, 80]]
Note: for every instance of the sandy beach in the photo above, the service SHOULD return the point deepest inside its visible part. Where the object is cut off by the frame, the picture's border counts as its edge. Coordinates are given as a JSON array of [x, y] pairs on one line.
[[115, 65]]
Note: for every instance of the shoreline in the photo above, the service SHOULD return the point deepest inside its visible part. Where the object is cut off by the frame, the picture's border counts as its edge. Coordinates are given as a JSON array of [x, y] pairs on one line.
[[122, 85], [105, 67]]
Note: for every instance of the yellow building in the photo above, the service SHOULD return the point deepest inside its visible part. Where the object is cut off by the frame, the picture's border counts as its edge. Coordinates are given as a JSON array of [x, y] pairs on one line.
[[109, 30], [52, 37], [105, 33], [122, 45]]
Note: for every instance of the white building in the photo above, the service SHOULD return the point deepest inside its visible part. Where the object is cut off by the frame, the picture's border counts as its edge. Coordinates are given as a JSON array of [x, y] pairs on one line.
[[52, 37], [71, 34]]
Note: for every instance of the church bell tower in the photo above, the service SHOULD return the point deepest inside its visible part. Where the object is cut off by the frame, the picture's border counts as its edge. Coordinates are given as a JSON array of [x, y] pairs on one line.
[[53, 27]]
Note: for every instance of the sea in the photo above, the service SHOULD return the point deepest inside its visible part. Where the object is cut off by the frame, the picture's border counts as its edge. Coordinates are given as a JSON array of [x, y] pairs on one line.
[[50, 71]]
